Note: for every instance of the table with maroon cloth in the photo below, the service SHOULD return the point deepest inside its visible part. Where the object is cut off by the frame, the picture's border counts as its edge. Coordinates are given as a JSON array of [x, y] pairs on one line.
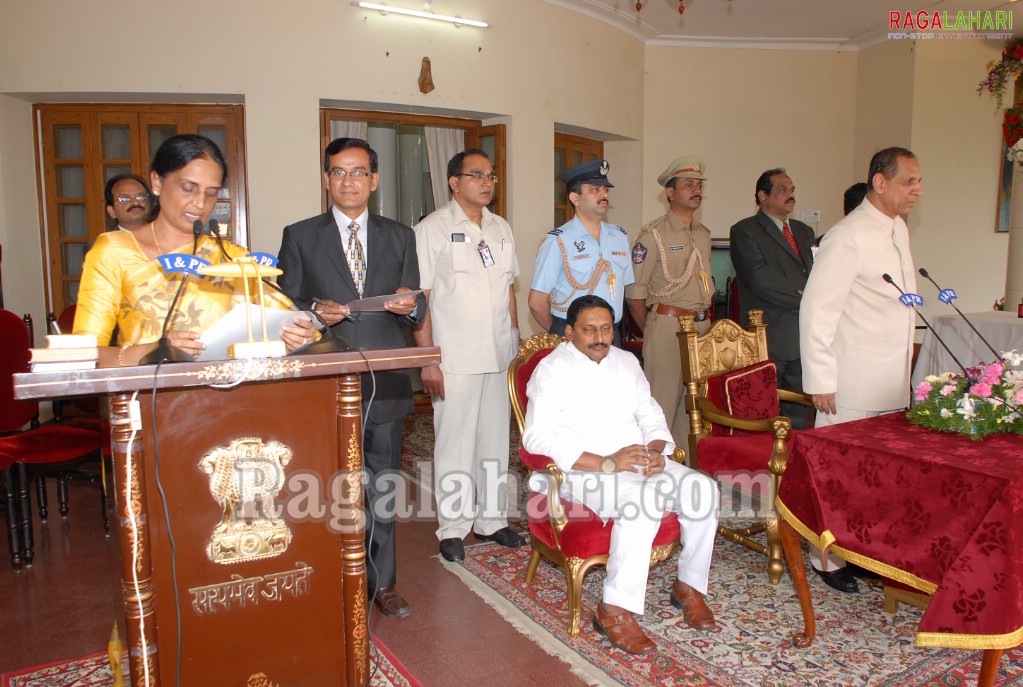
[[939, 512]]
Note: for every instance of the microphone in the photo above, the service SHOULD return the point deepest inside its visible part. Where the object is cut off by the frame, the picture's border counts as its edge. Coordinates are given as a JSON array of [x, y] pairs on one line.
[[164, 352], [330, 342], [947, 296], [909, 302]]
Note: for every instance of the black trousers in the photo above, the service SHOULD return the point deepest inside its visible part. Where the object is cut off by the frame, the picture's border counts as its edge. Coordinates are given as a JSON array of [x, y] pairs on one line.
[[381, 452]]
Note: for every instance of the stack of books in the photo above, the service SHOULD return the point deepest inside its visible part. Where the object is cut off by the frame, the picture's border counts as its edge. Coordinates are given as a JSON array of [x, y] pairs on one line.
[[66, 352]]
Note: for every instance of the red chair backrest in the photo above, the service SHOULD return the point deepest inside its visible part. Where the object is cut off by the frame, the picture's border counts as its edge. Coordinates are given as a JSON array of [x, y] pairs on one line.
[[66, 319], [14, 357], [525, 373]]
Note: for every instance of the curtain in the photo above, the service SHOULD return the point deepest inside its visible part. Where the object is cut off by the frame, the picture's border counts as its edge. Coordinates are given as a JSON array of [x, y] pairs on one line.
[[348, 128], [441, 145]]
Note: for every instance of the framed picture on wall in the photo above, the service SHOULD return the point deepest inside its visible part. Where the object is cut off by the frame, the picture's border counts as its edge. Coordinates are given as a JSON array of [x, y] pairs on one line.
[[1003, 212]]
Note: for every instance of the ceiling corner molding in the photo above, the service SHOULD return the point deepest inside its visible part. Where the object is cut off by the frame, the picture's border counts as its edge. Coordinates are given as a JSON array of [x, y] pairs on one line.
[[629, 22], [818, 44]]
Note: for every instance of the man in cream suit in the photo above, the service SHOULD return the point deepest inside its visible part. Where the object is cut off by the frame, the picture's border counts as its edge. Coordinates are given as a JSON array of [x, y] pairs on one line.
[[856, 337]]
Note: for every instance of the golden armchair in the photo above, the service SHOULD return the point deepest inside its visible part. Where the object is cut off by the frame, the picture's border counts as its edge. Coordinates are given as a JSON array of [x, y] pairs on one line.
[[730, 353], [563, 531]]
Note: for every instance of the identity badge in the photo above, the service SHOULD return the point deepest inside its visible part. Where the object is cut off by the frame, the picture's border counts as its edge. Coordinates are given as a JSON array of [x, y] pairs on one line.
[[488, 258]]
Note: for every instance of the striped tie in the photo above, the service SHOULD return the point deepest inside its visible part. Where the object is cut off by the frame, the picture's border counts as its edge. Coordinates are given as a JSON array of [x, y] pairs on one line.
[[356, 258]]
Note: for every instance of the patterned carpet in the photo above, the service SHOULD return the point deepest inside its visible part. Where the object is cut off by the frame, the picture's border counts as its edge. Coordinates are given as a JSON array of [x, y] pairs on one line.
[[857, 643], [94, 671]]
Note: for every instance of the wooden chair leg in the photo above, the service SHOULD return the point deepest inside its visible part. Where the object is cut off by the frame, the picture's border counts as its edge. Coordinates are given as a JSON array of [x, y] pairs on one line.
[[62, 495], [575, 596], [44, 511], [534, 561], [775, 565], [989, 667], [103, 510], [25, 514], [13, 512]]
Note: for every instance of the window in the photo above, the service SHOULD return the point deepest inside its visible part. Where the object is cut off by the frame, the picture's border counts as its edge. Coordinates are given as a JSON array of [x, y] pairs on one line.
[[84, 145], [570, 151], [406, 191]]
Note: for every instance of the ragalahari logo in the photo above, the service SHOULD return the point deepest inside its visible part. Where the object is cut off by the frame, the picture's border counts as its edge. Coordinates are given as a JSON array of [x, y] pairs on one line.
[[963, 24]]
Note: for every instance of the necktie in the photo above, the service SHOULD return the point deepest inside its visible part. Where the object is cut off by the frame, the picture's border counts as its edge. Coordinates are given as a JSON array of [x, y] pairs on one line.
[[356, 258], [791, 239]]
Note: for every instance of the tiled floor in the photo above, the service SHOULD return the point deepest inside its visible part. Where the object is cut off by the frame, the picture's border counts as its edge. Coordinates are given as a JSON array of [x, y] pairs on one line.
[[65, 604]]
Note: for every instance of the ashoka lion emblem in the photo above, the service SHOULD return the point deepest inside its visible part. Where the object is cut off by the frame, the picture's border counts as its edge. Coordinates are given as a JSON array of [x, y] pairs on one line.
[[245, 478]]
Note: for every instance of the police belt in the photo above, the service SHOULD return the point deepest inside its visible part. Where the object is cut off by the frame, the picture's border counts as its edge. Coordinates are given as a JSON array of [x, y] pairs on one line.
[[672, 311]]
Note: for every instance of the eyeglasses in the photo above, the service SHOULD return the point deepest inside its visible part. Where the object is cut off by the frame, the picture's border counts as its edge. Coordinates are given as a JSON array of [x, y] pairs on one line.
[[357, 174], [479, 176], [140, 197]]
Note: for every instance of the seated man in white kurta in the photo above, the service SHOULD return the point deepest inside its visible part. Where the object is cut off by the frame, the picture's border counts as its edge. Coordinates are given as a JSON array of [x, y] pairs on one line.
[[591, 411]]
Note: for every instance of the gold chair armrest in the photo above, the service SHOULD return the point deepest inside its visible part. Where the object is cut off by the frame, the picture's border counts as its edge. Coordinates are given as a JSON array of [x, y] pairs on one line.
[[679, 455], [714, 414], [794, 397], [555, 511]]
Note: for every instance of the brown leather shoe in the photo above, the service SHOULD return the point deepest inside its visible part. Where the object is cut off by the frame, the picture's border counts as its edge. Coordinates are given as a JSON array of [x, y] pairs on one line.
[[623, 631], [390, 603], [694, 608]]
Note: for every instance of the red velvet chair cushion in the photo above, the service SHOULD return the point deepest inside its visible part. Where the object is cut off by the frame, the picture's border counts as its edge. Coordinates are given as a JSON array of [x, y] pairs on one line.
[[750, 392], [50, 444], [748, 453], [585, 535]]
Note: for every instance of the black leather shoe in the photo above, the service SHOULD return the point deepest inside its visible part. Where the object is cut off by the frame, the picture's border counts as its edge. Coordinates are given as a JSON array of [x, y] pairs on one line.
[[391, 603], [862, 573], [452, 550], [504, 536], [840, 579]]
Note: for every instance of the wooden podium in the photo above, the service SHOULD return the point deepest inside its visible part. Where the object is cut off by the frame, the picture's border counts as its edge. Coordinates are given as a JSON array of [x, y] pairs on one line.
[[239, 510]]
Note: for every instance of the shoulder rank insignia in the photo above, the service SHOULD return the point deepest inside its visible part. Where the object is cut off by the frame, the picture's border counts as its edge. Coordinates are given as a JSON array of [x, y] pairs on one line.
[[621, 230], [580, 246], [555, 232], [638, 253]]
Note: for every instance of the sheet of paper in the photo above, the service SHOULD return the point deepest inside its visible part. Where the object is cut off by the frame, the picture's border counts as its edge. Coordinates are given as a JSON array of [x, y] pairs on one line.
[[231, 328], [374, 303]]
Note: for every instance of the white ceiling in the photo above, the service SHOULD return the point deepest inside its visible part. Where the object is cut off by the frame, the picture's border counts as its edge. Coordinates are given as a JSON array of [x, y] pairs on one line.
[[783, 24]]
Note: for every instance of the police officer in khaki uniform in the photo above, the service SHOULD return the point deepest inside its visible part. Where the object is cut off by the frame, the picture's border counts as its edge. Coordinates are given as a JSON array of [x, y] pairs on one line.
[[671, 260]]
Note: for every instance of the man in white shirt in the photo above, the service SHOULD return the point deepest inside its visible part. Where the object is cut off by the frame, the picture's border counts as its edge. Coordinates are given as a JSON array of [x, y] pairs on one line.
[[591, 411], [467, 269]]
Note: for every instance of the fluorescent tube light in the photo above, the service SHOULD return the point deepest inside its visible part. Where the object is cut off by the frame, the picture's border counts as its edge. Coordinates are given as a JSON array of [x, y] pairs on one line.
[[422, 15]]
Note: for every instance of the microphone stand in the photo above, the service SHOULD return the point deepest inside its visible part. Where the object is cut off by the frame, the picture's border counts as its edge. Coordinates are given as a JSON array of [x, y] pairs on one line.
[[927, 276], [888, 278], [164, 352], [330, 342]]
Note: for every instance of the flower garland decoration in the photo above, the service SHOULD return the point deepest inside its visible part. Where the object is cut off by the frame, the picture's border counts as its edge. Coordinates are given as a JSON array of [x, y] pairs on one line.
[[1004, 71], [988, 400], [1012, 132]]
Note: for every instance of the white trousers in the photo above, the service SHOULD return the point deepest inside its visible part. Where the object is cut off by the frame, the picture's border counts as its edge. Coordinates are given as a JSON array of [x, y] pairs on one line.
[[470, 454], [637, 504]]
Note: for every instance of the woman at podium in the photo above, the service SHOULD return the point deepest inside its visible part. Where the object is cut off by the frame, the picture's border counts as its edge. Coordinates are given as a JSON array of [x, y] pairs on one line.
[[125, 287]]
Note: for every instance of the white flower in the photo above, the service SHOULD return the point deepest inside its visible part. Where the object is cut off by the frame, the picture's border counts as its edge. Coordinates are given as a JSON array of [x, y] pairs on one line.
[[945, 412], [1013, 357], [966, 408]]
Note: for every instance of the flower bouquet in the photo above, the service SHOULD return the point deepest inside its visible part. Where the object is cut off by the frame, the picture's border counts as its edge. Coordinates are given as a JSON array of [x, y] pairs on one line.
[[988, 400]]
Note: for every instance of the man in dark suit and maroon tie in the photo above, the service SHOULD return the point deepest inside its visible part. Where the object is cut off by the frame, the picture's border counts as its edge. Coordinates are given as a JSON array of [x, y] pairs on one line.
[[343, 255], [772, 257]]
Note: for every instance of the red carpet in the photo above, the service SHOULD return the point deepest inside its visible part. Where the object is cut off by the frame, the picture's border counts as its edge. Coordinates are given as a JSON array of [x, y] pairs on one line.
[[94, 671]]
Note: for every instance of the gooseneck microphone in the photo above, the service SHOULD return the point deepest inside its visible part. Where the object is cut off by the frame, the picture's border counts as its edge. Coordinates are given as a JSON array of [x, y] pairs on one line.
[[330, 342], [888, 278], [164, 352], [947, 296]]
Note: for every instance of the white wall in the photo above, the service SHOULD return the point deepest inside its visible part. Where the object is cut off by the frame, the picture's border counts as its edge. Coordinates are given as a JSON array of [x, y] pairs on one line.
[[818, 114], [283, 59], [746, 111], [957, 136]]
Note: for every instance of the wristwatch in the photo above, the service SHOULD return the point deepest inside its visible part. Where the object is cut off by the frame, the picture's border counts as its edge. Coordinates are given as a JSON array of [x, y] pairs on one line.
[[608, 465]]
